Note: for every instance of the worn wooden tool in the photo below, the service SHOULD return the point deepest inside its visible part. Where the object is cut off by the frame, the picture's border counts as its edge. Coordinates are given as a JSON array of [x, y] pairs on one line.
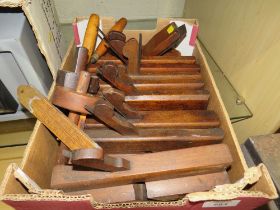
[[65, 130], [164, 59], [147, 167], [162, 190], [174, 189], [112, 47], [132, 50], [118, 100], [141, 82], [69, 79], [117, 77], [133, 67], [68, 99], [156, 125], [83, 81], [192, 119], [88, 158], [187, 99], [72, 100], [116, 41], [168, 67], [164, 40], [76, 102], [154, 140], [91, 35], [148, 60], [157, 119], [105, 112], [191, 99], [115, 194], [102, 47], [161, 69]]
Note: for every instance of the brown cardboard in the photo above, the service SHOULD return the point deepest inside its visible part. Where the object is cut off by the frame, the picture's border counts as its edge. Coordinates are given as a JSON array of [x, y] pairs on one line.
[[42, 17], [40, 157]]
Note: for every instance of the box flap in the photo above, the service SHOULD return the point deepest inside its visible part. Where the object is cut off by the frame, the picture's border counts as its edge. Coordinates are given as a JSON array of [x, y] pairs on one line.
[[42, 17], [10, 3]]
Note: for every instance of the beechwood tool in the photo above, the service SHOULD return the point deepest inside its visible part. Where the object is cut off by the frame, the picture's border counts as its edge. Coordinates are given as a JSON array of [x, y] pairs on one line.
[[187, 99], [142, 83], [82, 82], [169, 37], [162, 190], [73, 101], [102, 47], [84, 55], [117, 77], [147, 167], [146, 140], [75, 139], [146, 132], [152, 68], [132, 51]]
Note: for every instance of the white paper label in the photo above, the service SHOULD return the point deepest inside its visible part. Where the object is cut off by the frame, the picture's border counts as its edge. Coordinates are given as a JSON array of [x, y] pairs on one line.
[[184, 48], [217, 204]]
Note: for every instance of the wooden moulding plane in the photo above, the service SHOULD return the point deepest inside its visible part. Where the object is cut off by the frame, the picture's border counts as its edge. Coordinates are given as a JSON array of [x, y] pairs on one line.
[[65, 97], [160, 83], [149, 60], [162, 190], [117, 77], [76, 102], [162, 75], [66, 131], [191, 99], [161, 69], [136, 140], [127, 136], [134, 66], [147, 167]]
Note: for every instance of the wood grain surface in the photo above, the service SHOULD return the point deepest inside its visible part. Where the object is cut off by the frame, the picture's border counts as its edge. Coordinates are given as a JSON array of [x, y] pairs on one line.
[[147, 167], [168, 119], [53, 119], [169, 189], [192, 99], [154, 140]]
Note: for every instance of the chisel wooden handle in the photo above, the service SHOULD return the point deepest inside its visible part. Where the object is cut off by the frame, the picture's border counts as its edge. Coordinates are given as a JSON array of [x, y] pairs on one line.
[[91, 34], [54, 120], [88, 47], [102, 48]]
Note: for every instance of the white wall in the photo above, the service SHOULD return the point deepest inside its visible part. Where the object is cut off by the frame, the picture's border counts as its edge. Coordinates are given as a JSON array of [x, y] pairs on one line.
[[244, 39], [131, 9]]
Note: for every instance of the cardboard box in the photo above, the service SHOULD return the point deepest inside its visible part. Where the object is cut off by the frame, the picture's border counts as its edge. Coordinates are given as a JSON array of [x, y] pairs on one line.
[[41, 15], [251, 187]]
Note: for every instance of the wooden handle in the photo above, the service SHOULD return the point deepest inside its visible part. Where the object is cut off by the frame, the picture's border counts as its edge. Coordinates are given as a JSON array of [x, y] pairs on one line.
[[53, 119], [91, 34], [119, 25], [102, 48]]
